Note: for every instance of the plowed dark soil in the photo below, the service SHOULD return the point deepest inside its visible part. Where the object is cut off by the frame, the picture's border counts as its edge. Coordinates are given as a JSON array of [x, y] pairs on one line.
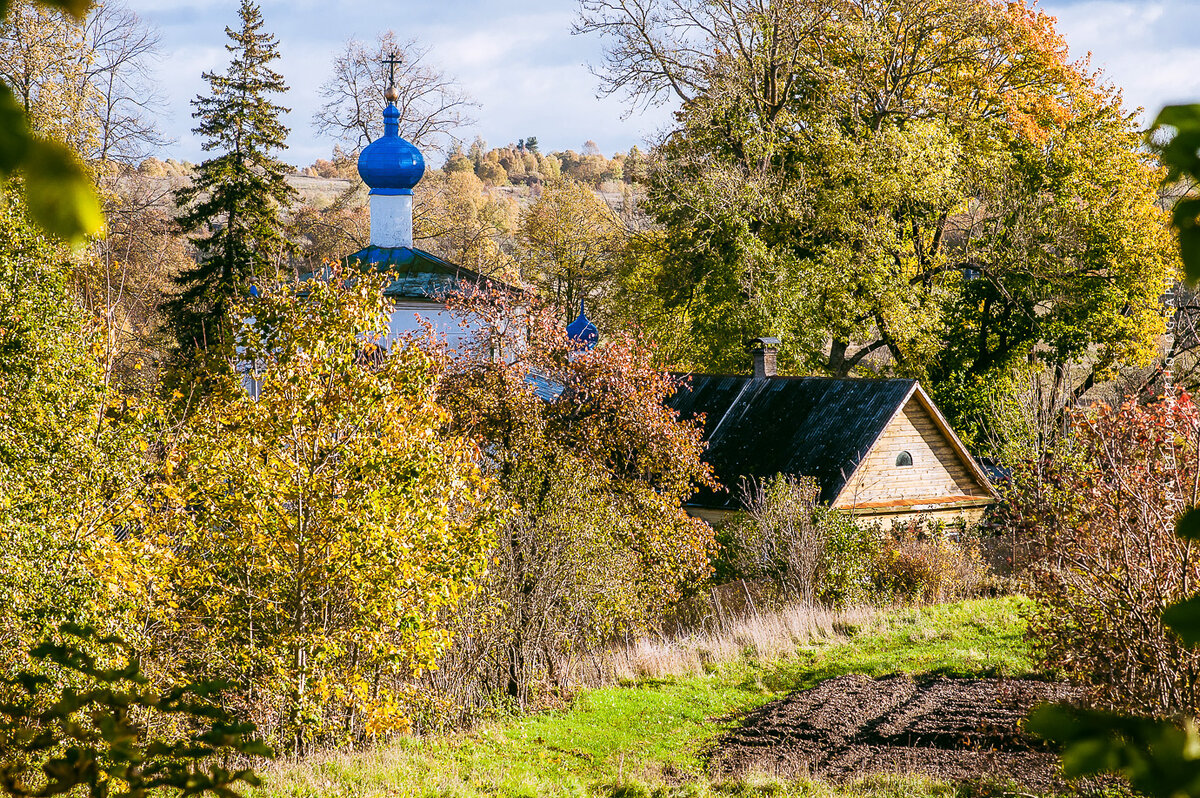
[[951, 729]]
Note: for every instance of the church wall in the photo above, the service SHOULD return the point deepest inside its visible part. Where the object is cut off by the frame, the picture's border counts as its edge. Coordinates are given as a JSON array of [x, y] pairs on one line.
[[407, 316]]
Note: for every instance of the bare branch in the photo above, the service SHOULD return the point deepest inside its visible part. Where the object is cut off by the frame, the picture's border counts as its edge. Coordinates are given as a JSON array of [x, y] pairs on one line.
[[657, 50], [433, 106], [127, 103]]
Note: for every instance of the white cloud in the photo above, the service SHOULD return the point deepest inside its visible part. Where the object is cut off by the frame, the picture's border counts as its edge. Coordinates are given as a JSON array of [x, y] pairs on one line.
[[530, 75], [1147, 49], [526, 70]]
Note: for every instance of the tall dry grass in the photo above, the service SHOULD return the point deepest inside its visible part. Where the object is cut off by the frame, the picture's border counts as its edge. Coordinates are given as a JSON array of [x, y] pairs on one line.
[[760, 634]]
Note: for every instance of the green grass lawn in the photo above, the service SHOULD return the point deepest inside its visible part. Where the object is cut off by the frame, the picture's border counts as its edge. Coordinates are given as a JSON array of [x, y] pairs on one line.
[[648, 738]]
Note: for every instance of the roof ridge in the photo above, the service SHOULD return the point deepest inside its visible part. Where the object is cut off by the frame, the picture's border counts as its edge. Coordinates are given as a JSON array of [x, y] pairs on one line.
[[793, 377]]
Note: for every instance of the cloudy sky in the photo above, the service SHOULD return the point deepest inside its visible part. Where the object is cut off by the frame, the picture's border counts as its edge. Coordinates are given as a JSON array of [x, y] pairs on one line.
[[530, 76]]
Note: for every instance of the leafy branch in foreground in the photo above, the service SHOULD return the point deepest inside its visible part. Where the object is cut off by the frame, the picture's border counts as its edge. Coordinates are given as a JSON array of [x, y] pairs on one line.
[[58, 190], [91, 727], [1181, 155]]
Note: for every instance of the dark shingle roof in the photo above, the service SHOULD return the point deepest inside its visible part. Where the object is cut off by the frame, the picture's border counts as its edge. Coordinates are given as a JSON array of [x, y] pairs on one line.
[[419, 274], [803, 426]]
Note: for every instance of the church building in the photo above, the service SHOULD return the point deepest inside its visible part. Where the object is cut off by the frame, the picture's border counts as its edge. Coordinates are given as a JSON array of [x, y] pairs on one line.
[[391, 167]]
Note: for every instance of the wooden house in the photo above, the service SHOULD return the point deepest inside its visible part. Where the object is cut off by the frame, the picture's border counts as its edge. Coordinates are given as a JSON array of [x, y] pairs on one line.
[[878, 448]]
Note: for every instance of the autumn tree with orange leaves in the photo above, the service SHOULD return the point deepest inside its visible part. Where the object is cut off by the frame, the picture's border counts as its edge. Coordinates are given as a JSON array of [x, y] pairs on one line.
[[593, 469], [931, 188]]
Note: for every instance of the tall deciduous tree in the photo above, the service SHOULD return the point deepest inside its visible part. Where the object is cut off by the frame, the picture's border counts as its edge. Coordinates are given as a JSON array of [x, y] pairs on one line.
[[233, 205], [126, 100], [932, 186], [573, 245], [432, 104], [458, 219], [44, 57], [84, 82]]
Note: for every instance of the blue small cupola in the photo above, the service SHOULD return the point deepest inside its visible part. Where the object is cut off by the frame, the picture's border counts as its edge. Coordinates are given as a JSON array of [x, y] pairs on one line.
[[389, 164], [582, 332], [391, 167]]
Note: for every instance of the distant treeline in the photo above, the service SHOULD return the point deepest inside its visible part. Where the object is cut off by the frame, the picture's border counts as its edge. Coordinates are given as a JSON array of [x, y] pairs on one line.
[[515, 164]]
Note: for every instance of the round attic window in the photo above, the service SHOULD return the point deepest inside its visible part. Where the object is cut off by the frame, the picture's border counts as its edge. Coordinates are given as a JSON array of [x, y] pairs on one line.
[[904, 459]]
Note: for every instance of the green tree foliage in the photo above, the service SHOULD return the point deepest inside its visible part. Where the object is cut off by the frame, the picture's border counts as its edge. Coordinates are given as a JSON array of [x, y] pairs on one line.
[[324, 527], [103, 727], [233, 205], [70, 452], [57, 186], [931, 182], [573, 245], [595, 540]]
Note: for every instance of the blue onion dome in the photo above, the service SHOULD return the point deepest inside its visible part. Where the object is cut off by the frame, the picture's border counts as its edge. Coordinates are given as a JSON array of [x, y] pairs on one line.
[[389, 164], [582, 331]]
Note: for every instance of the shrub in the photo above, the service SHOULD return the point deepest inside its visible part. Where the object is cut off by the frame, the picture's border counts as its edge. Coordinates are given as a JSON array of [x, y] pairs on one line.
[[1103, 511], [926, 563], [595, 543], [807, 551], [71, 463]]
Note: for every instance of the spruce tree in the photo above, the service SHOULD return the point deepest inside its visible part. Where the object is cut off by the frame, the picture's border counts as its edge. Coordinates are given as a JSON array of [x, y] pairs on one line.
[[232, 207]]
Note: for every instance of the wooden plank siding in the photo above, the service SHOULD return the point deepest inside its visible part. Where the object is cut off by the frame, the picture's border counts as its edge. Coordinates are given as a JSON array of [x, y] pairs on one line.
[[937, 484], [937, 470]]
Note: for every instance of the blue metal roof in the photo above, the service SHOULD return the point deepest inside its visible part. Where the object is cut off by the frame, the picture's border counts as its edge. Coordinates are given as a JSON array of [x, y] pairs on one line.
[[545, 389], [389, 164], [582, 331]]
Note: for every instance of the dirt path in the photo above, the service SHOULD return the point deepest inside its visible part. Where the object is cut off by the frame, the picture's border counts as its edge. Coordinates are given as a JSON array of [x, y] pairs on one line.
[[953, 729]]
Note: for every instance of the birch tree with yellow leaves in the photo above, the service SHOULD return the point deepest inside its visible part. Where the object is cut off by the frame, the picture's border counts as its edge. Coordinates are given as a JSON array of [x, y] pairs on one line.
[[323, 524]]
